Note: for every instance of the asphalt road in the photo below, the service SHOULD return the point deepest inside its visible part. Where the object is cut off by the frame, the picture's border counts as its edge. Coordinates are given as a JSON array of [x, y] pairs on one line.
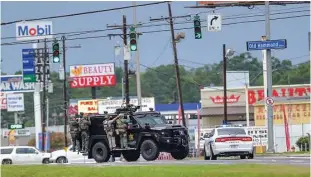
[[300, 161]]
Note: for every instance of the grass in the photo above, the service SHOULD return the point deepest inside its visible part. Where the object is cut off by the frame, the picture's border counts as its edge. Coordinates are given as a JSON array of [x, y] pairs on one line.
[[245, 170]]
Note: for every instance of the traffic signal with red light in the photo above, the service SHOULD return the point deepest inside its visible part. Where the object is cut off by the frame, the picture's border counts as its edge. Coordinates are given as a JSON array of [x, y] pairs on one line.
[[133, 42], [56, 58], [197, 27]]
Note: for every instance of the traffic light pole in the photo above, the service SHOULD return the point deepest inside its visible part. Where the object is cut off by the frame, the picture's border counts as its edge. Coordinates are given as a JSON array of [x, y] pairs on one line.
[[126, 72], [65, 92]]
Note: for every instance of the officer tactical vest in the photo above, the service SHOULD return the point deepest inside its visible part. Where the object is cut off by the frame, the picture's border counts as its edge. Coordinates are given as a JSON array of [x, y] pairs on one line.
[[121, 123], [84, 125], [74, 127]]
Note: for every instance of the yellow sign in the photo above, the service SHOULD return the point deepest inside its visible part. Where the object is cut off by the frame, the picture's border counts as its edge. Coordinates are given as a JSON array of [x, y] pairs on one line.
[[88, 106], [66, 149], [298, 113], [12, 138]]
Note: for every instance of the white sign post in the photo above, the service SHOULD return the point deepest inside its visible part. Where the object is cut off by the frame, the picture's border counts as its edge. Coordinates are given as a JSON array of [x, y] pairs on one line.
[[15, 102], [214, 23]]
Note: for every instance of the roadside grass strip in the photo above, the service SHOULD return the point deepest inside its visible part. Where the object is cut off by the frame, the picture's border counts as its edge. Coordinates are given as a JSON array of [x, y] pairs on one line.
[[244, 170]]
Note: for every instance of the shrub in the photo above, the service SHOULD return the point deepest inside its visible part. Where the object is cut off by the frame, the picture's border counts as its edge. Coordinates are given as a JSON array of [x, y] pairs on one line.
[[303, 143]]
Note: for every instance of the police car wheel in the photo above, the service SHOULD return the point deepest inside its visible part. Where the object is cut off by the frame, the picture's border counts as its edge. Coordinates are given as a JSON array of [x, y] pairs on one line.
[[131, 156], [180, 154], [100, 152], [149, 150]]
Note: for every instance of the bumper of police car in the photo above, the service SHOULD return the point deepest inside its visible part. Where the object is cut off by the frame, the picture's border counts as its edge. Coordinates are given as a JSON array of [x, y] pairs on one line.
[[232, 149]]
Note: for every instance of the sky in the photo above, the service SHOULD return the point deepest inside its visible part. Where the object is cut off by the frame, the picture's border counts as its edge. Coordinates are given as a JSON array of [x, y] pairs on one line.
[[155, 49]]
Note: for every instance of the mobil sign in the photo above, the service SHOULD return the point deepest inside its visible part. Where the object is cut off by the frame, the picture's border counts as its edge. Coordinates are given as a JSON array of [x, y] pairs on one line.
[[33, 30], [93, 75]]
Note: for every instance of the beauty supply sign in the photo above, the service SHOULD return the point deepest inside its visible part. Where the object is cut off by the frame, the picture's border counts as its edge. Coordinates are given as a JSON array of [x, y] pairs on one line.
[[94, 75]]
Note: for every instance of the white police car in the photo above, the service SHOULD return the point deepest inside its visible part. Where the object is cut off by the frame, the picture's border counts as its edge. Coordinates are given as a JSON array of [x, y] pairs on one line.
[[228, 141]]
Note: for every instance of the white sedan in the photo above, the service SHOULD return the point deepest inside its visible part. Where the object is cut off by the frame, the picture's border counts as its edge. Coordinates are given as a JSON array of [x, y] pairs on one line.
[[23, 155], [228, 141], [61, 156]]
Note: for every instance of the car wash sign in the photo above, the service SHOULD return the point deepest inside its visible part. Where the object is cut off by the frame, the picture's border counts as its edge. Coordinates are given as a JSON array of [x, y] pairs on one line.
[[14, 83], [34, 30]]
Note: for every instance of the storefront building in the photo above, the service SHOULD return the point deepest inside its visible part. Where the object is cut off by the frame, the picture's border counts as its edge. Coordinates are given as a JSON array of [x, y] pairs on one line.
[[295, 99]]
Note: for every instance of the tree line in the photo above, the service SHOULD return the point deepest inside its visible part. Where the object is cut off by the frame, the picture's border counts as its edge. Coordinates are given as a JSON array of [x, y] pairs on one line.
[[160, 82]]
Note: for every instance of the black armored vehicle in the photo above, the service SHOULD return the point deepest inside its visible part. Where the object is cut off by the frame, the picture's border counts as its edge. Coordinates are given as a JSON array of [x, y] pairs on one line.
[[148, 134]]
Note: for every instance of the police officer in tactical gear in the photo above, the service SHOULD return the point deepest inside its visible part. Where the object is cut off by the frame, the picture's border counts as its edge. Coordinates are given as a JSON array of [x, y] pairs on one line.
[[121, 130], [84, 128], [74, 132], [110, 130]]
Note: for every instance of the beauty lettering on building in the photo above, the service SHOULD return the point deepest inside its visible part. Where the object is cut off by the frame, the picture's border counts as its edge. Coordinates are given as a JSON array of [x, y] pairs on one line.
[[236, 97], [93, 75], [295, 113], [88, 106], [257, 95]]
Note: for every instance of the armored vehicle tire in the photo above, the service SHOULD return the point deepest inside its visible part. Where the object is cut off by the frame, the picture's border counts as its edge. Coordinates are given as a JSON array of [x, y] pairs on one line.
[[100, 152], [180, 154], [149, 150], [131, 156]]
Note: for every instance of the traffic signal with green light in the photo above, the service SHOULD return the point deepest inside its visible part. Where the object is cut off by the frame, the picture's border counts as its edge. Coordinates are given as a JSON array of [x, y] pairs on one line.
[[197, 27], [56, 58], [133, 42]]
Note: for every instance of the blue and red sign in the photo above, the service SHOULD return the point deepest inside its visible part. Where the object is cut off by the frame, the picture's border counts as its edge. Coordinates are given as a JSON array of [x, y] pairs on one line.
[[34, 30]]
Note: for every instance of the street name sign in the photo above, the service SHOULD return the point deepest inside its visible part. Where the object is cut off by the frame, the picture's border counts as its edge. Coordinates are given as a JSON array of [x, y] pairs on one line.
[[264, 45]]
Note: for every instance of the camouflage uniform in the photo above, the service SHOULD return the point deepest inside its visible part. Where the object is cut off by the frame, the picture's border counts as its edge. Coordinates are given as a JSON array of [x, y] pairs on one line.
[[109, 129], [74, 132], [84, 127], [121, 129]]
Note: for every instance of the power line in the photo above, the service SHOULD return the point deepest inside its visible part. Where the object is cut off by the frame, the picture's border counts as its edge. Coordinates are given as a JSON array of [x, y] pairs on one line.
[[157, 31], [84, 13], [75, 33]]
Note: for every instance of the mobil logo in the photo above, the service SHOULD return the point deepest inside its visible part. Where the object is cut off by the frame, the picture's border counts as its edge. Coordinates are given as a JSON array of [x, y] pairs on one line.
[[33, 30]]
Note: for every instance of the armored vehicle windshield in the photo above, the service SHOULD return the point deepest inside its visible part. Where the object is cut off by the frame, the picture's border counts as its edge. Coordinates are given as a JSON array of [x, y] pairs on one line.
[[152, 119]]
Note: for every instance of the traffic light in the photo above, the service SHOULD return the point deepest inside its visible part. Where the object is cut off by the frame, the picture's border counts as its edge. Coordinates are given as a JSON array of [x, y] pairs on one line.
[[56, 58], [197, 27], [133, 42]]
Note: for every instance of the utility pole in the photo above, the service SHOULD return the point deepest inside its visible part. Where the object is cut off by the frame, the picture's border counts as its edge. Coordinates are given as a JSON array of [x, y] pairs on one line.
[[269, 82], [176, 65], [138, 84], [126, 72], [65, 92], [45, 58], [225, 82]]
